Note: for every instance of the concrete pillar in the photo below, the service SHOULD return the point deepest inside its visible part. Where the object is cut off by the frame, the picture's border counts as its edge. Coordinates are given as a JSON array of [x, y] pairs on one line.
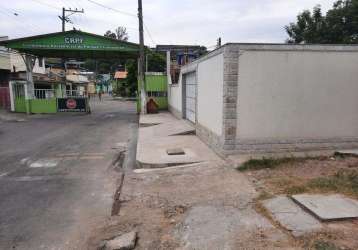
[[169, 78], [29, 86], [12, 97]]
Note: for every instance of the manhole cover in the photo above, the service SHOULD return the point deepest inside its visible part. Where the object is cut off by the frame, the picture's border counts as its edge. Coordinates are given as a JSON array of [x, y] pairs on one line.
[[328, 207]]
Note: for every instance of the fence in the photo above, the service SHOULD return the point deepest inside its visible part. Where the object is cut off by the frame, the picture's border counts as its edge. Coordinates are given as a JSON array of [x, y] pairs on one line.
[[46, 101], [44, 93], [4, 98], [19, 97]]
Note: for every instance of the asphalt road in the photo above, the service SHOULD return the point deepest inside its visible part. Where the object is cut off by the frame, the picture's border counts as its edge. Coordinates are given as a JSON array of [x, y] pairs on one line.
[[56, 177]]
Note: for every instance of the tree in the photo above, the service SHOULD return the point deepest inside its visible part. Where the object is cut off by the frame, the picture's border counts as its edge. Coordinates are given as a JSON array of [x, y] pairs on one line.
[[340, 25], [131, 80], [121, 33], [110, 34], [156, 61]]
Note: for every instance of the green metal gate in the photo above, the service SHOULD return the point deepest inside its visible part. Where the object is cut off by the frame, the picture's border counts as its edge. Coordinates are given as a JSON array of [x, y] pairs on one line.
[[19, 97]]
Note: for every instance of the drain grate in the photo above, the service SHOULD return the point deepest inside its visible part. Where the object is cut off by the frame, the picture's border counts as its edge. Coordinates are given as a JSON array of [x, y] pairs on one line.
[[175, 151]]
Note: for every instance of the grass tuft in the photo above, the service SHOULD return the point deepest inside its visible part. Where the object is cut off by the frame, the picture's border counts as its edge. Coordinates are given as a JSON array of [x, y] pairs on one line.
[[270, 163], [324, 245], [344, 181]]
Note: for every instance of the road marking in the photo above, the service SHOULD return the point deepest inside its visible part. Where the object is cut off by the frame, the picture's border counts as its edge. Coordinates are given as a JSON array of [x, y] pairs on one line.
[[68, 154], [44, 163], [3, 174], [91, 157], [25, 160], [94, 154], [70, 158]]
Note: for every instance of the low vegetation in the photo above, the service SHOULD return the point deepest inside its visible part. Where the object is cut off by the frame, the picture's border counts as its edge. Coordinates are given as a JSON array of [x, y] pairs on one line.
[[269, 163], [343, 180]]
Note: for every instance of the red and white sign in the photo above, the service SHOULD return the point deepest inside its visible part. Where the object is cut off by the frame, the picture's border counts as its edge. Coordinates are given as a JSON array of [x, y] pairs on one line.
[[71, 103]]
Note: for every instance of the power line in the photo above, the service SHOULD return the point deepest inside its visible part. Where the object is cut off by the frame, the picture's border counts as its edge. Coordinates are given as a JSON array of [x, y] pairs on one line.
[[125, 13], [113, 9], [32, 27], [46, 4], [150, 36]]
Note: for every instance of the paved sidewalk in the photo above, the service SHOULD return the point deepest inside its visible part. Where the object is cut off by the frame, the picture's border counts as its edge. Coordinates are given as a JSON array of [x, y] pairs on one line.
[[9, 116], [177, 205], [161, 132]]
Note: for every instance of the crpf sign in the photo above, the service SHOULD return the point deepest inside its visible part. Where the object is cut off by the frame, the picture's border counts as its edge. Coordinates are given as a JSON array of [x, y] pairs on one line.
[[73, 40], [72, 105]]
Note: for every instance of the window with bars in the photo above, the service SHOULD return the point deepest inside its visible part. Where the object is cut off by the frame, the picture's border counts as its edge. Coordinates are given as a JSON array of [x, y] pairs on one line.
[[156, 93]]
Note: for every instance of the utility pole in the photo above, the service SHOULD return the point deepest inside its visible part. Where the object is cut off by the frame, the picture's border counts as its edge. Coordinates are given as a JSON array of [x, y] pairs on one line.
[[218, 44], [65, 19], [143, 94]]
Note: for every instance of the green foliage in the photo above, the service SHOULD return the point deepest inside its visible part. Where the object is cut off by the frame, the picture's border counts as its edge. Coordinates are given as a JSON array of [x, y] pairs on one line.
[[110, 34], [156, 62], [338, 26], [257, 164], [128, 87], [323, 245], [120, 33]]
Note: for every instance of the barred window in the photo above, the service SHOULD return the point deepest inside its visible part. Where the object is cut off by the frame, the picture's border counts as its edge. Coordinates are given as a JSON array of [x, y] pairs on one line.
[[157, 94]]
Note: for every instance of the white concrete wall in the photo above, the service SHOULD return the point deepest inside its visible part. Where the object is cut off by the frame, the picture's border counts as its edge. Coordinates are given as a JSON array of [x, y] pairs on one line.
[[210, 93], [297, 94], [175, 95]]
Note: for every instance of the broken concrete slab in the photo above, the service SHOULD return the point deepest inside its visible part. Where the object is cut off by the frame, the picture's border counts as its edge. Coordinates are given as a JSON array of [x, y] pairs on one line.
[[171, 128], [348, 152], [123, 242], [291, 216], [328, 207], [220, 227], [175, 151], [153, 119]]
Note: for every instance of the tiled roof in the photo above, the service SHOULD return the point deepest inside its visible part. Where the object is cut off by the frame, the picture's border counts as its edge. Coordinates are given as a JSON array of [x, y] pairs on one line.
[[120, 75]]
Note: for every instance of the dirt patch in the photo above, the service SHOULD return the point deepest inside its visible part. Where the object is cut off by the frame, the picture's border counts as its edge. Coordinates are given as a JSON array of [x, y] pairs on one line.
[[185, 208], [335, 174]]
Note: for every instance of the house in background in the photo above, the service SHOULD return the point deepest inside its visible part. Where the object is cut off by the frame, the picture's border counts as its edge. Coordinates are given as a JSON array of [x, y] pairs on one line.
[[4, 76], [119, 84], [103, 83], [179, 55]]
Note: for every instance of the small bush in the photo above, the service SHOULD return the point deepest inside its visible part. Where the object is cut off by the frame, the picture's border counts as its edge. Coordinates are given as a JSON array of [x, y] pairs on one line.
[[257, 164], [323, 245]]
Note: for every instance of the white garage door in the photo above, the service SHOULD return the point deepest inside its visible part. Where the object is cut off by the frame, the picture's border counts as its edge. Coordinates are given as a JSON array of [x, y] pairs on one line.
[[190, 96]]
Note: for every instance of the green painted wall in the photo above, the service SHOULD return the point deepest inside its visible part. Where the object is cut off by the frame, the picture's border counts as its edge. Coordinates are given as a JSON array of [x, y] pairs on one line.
[[20, 105], [161, 101], [43, 106], [156, 83], [37, 106]]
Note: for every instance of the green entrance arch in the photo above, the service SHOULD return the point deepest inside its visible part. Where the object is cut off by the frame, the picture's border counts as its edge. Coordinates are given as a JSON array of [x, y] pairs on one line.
[[69, 44]]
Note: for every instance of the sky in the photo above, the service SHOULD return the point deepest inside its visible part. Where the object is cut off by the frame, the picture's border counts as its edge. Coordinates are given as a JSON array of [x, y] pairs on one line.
[[196, 22]]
